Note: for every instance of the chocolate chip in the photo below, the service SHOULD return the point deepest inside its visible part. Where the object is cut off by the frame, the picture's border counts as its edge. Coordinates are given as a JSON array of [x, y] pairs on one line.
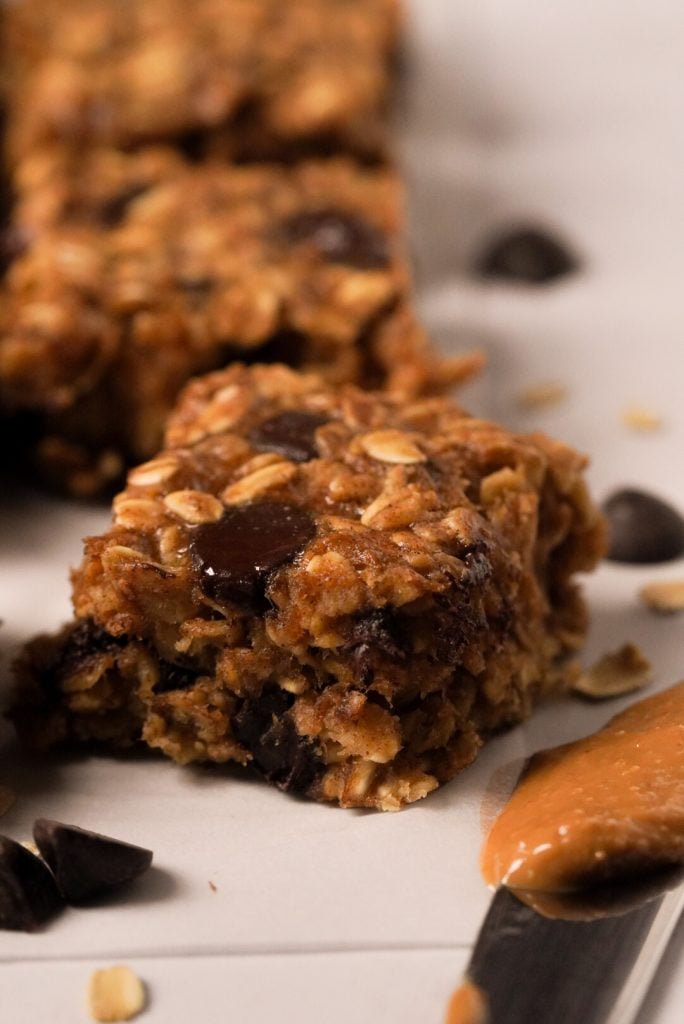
[[373, 638], [28, 893], [14, 241], [84, 641], [263, 725], [113, 210], [643, 528], [197, 288], [236, 555], [86, 864], [174, 677], [526, 254], [340, 237], [290, 434]]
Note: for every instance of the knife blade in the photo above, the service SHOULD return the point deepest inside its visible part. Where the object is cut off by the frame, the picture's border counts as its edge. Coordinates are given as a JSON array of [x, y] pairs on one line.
[[532, 968]]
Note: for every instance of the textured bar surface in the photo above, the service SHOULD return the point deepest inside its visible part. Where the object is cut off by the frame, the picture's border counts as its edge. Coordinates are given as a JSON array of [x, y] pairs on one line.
[[347, 590], [135, 272], [257, 77]]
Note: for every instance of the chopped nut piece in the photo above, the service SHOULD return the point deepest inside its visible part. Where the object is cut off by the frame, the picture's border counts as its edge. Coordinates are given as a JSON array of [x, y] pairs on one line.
[[391, 446], [666, 597], [194, 507], [615, 674], [636, 417], [7, 798], [542, 395], [115, 993]]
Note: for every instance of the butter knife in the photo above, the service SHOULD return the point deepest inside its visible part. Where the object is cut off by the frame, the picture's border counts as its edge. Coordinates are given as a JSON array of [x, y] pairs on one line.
[[533, 968]]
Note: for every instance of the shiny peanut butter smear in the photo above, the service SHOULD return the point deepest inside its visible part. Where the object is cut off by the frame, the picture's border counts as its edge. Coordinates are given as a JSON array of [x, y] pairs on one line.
[[605, 807]]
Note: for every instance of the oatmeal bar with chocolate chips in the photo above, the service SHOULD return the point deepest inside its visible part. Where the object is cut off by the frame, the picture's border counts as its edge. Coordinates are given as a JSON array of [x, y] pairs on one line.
[[345, 590], [140, 271], [274, 78]]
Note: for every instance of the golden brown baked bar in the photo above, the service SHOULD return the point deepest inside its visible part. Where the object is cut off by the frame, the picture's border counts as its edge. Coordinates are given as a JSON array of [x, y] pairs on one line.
[[272, 77], [347, 591], [139, 271]]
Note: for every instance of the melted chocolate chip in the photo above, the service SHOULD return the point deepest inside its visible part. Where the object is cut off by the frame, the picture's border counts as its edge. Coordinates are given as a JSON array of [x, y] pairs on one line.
[[113, 211], [643, 529], [374, 637], [197, 288], [86, 864], [28, 892], [236, 555], [263, 725], [85, 640], [455, 623], [174, 677], [340, 237], [290, 434], [14, 241], [526, 254]]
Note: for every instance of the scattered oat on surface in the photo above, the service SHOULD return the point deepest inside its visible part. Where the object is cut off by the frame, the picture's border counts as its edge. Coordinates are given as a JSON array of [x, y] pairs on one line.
[[542, 395], [115, 993], [636, 417], [7, 799], [615, 674], [666, 597]]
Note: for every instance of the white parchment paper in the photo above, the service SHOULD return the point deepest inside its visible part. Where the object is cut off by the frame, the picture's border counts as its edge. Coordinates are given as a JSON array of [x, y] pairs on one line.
[[568, 114]]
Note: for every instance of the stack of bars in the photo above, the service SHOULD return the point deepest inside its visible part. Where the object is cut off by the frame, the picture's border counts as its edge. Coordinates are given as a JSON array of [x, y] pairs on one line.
[[149, 238], [329, 571]]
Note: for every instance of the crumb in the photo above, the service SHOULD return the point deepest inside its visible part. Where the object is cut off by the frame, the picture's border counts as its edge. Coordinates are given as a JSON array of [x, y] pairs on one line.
[[115, 994], [615, 674], [214, 888], [542, 395], [636, 417], [665, 598]]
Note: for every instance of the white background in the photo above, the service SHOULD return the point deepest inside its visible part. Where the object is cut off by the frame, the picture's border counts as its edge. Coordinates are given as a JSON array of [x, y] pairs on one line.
[[564, 112]]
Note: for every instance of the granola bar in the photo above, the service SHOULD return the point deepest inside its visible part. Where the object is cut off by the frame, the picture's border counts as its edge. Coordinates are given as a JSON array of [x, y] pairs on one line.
[[345, 590], [139, 271], [272, 78]]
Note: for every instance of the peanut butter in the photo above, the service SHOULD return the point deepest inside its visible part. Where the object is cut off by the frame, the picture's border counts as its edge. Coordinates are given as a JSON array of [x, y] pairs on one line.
[[468, 1005], [605, 807]]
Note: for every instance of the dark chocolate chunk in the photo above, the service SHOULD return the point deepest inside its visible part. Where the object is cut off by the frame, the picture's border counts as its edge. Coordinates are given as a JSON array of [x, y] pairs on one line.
[[28, 892], [340, 237], [197, 288], [86, 864], [526, 254], [643, 529], [375, 638], [290, 434], [174, 677], [14, 241], [85, 640], [113, 210], [263, 725], [236, 555]]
